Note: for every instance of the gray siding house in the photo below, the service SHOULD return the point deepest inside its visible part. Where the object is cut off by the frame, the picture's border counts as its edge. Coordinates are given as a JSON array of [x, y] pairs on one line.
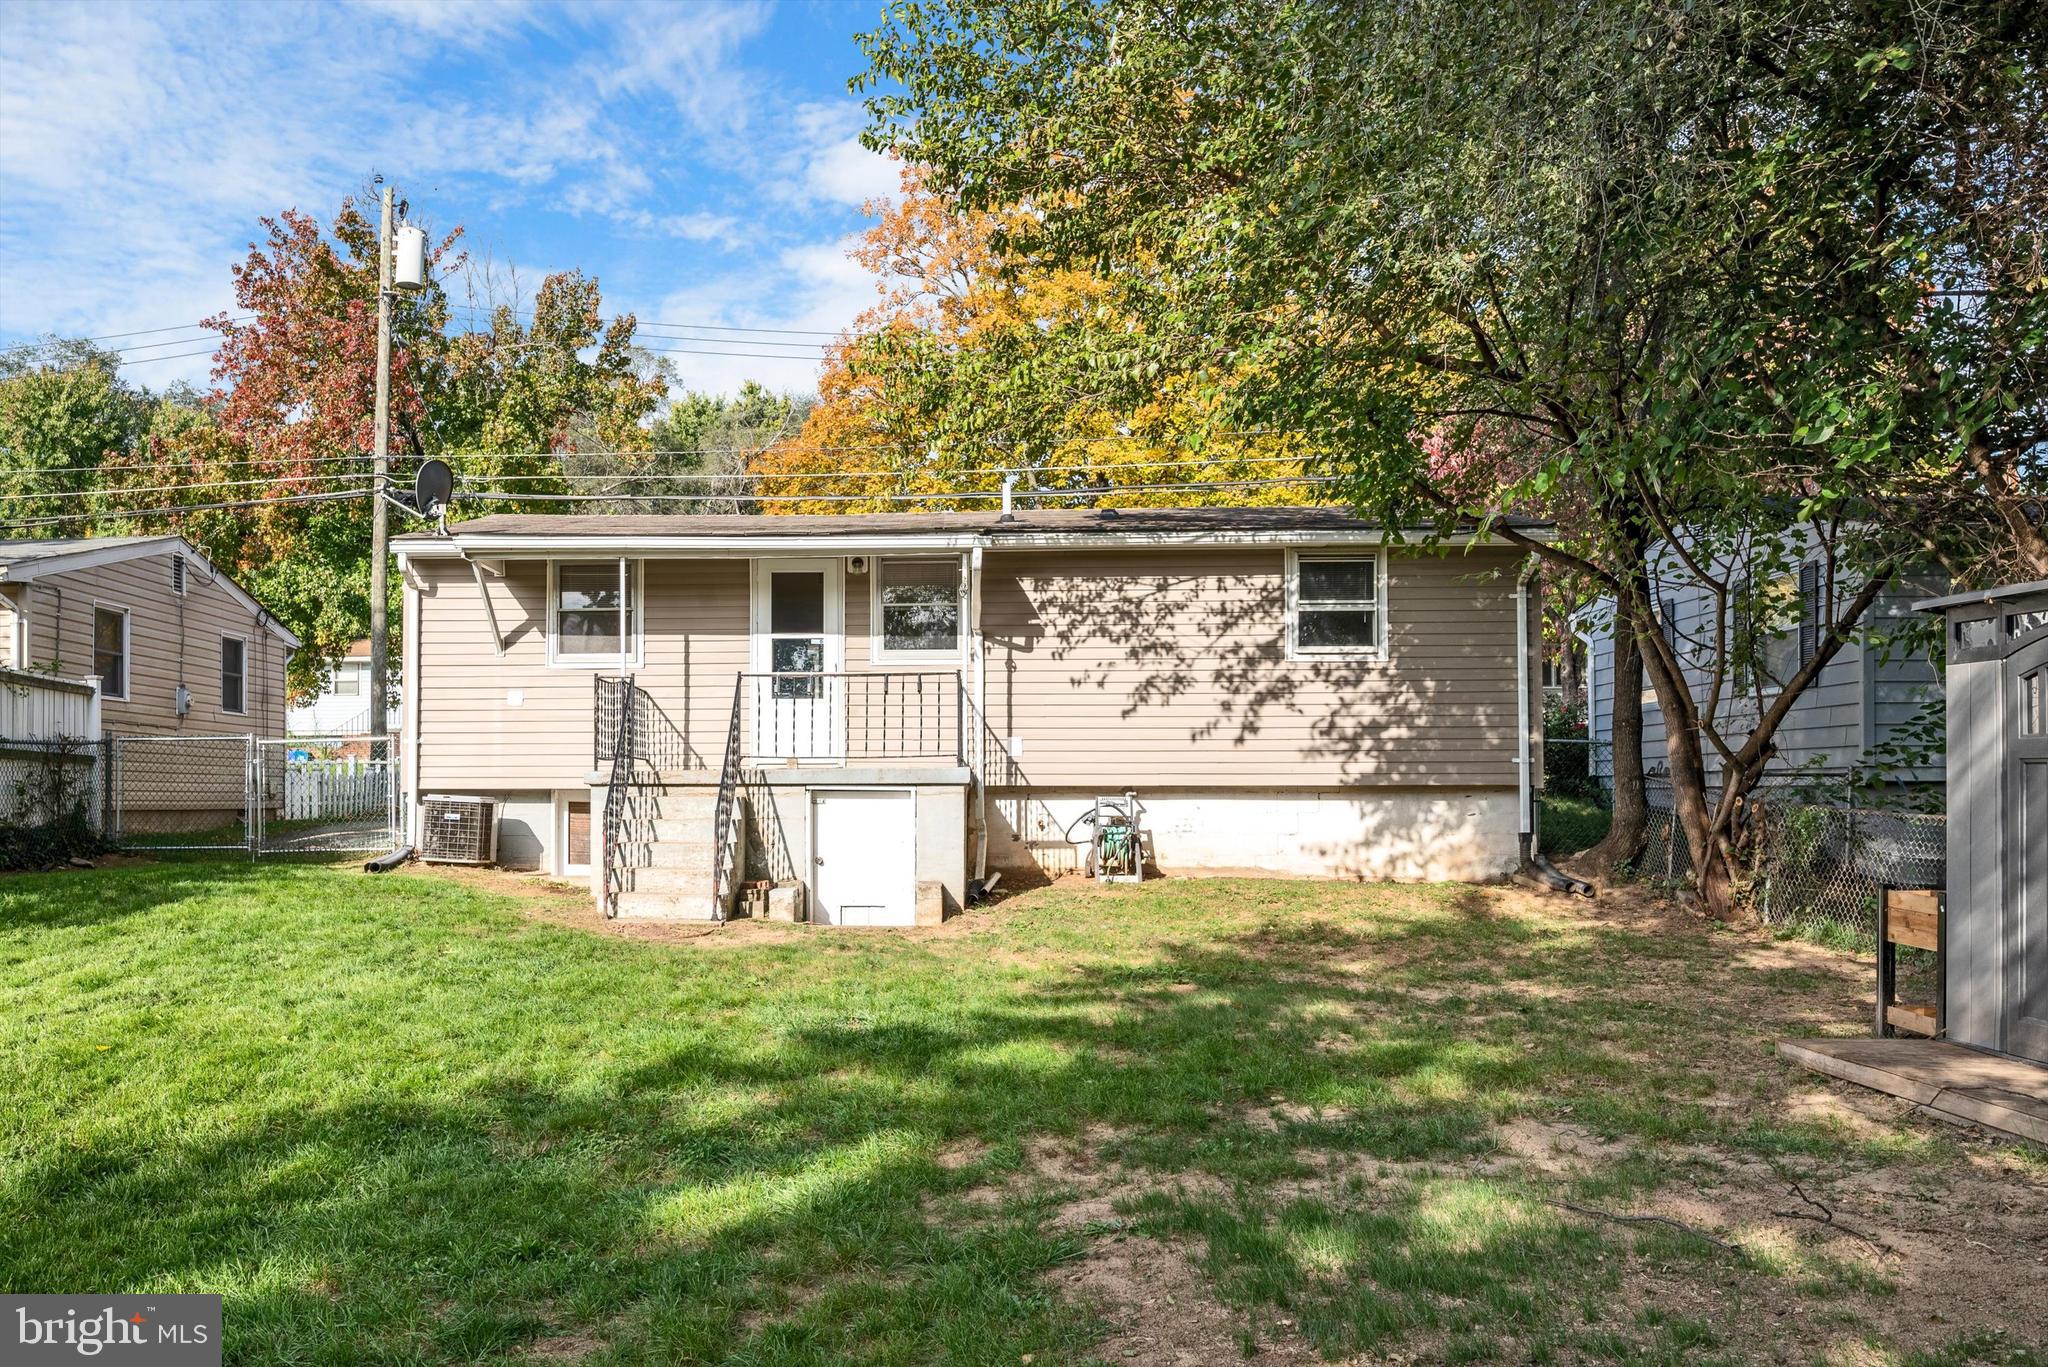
[[1866, 699]]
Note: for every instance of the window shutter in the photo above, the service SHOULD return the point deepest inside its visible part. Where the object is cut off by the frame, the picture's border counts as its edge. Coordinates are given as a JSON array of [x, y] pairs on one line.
[[1809, 613]]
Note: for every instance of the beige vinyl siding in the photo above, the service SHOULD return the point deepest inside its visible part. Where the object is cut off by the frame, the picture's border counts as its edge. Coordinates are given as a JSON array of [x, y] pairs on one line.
[[172, 639], [1169, 668], [1110, 666], [515, 722]]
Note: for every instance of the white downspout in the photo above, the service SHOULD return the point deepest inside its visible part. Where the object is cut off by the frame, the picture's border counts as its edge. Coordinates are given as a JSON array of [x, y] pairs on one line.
[[1526, 828], [979, 726], [409, 696], [625, 642]]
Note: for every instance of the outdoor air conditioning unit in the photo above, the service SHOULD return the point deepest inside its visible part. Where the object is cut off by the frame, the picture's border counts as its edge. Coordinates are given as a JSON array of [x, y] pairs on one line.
[[458, 830]]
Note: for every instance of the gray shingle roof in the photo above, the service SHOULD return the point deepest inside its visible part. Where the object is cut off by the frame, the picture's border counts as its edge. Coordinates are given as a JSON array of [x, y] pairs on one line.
[[28, 551]]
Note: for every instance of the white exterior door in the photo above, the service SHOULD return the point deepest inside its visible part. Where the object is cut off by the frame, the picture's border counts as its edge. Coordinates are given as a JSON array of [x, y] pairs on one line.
[[863, 858], [798, 648]]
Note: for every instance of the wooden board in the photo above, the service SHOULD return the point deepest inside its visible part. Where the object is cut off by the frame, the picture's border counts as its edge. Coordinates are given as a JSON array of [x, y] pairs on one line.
[[579, 834], [1925, 900], [1913, 1016], [1913, 917]]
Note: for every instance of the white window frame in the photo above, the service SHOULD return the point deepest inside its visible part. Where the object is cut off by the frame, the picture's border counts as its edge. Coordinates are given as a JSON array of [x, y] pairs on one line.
[[225, 637], [878, 650], [636, 596], [127, 648], [1378, 649]]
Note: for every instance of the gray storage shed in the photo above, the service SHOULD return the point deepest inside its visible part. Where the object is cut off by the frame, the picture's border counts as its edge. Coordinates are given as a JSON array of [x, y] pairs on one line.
[[1997, 974]]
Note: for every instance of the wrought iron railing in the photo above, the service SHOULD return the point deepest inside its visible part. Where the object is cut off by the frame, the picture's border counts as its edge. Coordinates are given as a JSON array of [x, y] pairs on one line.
[[725, 817], [658, 742], [616, 742]]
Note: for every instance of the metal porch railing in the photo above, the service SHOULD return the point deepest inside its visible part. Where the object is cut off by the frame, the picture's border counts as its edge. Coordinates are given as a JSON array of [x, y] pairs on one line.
[[866, 717]]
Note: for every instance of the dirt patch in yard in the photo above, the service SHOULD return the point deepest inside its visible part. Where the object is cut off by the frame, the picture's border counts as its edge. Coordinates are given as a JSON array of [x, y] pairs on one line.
[[1160, 1310], [562, 1348], [1925, 1234]]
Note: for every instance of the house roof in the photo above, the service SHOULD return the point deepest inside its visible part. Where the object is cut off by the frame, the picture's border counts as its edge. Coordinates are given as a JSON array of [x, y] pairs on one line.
[[1974, 597], [1025, 525], [24, 553], [22, 561]]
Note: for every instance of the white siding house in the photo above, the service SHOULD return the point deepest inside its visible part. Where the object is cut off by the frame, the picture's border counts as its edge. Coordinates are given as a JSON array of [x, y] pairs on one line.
[[343, 705]]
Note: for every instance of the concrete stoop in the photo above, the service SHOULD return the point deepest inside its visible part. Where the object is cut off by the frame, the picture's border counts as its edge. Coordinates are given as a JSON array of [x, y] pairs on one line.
[[668, 856]]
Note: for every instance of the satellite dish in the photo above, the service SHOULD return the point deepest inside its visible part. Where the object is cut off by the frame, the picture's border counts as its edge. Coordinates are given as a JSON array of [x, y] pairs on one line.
[[432, 487]]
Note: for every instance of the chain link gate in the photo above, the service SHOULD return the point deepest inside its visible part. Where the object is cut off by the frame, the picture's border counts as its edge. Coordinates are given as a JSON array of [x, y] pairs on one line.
[[179, 792], [325, 795], [261, 796]]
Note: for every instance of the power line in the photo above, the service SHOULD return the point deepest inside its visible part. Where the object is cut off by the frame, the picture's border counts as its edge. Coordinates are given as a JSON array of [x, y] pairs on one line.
[[1053, 469], [189, 508], [475, 496], [175, 356], [783, 444], [111, 336], [1105, 491], [753, 476]]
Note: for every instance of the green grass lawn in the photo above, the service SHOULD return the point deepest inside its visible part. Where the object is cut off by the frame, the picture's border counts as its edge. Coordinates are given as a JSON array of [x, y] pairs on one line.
[[420, 1119]]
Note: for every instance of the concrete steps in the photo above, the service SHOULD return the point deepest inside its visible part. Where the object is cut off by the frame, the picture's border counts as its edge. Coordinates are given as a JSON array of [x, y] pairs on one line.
[[667, 858]]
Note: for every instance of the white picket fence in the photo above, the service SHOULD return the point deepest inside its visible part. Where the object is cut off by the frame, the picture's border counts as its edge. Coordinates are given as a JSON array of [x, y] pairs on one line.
[[336, 789]]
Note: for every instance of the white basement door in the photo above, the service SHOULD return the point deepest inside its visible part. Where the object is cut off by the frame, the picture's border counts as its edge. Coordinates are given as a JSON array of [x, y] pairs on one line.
[[863, 848]]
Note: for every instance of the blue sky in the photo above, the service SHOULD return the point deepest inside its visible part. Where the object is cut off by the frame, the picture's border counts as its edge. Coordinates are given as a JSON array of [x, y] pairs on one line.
[[698, 158]]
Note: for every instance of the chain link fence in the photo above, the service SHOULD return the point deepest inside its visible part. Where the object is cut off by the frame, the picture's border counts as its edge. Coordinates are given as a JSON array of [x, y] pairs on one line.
[[1818, 860], [1819, 851], [52, 801], [179, 792], [1577, 803], [63, 799]]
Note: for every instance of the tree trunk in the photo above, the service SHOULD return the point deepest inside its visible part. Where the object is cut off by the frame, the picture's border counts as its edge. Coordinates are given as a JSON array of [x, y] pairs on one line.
[[1631, 812], [1700, 820]]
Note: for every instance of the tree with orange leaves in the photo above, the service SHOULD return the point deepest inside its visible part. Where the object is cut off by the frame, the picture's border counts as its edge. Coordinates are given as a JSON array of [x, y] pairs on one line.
[[971, 364]]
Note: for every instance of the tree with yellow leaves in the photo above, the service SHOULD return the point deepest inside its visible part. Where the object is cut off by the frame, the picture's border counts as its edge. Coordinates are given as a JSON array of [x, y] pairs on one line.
[[973, 363]]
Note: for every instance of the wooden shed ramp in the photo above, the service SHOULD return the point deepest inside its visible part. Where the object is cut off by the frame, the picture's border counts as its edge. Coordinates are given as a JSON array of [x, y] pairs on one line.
[[2000, 1093]]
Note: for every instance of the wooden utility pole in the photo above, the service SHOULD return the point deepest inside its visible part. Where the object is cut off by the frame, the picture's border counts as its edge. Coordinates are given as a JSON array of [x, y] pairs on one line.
[[380, 480]]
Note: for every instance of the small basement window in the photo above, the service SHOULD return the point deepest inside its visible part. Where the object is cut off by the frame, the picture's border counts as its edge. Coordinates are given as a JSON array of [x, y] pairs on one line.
[[110, 651], [1336, 609], [919, 608], [584, 608], [234, 674]]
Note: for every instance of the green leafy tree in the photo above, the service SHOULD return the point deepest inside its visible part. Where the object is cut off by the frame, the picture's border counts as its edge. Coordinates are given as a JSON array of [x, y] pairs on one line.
[[64, 411], [1516, 257]]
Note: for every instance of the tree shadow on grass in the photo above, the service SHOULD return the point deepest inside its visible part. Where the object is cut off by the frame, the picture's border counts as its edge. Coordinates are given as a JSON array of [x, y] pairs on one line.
[[622, 1144]]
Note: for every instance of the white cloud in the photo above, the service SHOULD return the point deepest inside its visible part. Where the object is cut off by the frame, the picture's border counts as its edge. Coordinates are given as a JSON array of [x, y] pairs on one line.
[[848, 173], [819, 293], [467, 21], [141, 144]]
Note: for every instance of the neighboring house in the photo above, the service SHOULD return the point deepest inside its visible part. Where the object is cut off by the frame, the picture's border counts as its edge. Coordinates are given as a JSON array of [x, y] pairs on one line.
[[914, 699], [176, 647], [1863, 703], [342, 707]]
